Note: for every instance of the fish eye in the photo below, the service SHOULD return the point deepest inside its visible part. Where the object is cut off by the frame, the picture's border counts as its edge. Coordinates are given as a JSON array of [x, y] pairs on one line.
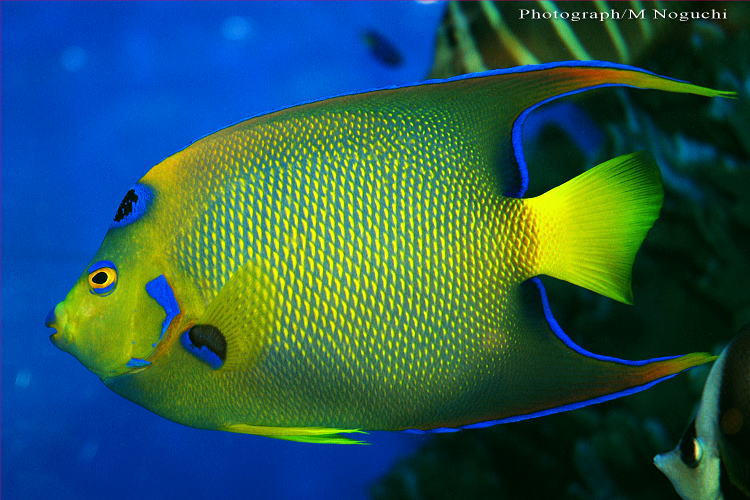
[[691, 452], [691, 447], [102, 278]]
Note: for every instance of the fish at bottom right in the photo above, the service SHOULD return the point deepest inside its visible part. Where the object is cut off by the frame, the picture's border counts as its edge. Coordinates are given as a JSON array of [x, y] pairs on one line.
[[712, 458]]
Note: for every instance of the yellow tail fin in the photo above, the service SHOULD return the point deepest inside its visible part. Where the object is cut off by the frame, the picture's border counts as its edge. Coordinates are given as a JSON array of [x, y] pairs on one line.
[[591, 227]]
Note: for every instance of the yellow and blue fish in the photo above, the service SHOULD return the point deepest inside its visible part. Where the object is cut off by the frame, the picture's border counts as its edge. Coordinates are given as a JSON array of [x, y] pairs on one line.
[[368, 262]]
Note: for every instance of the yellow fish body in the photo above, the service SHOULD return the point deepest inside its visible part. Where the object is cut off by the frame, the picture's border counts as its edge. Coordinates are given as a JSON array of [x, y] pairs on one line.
[[366, 262]]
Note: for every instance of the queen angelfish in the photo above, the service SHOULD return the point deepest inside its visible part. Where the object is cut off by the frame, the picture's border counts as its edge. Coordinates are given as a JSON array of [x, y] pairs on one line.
[[367, 262], [712, 459]]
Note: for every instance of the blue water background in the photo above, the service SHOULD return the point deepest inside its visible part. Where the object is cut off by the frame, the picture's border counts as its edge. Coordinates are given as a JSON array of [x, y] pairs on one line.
[[93, 94]]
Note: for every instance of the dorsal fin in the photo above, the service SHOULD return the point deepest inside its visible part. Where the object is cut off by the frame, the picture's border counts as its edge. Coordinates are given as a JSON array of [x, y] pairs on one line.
[[487, 110], [491, 106]]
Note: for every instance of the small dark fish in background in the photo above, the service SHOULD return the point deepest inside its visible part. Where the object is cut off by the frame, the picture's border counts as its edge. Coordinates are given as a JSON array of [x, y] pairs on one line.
[[382, 49], [712, 459]]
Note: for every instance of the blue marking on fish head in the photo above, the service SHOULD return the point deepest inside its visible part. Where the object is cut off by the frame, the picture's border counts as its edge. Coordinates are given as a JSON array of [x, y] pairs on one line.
[[160, 290], [137, 363]]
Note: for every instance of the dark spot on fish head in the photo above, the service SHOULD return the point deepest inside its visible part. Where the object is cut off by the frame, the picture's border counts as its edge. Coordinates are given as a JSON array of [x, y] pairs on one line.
[[133, 205], [734, 411], [207, 343], [126, 205]]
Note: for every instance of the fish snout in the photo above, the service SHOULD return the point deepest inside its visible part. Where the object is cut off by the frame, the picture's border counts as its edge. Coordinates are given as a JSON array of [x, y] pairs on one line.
[[51, 318], [53, 321]]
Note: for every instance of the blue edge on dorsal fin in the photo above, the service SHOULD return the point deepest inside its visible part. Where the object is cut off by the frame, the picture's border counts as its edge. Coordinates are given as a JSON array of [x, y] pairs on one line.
[[518, 192]]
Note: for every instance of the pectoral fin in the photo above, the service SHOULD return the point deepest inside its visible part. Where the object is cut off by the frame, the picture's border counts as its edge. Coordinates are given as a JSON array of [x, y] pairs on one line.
[[238, 321]]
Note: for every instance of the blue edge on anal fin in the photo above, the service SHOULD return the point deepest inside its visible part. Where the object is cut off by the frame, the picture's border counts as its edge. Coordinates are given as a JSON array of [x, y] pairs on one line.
[[518, 192]]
